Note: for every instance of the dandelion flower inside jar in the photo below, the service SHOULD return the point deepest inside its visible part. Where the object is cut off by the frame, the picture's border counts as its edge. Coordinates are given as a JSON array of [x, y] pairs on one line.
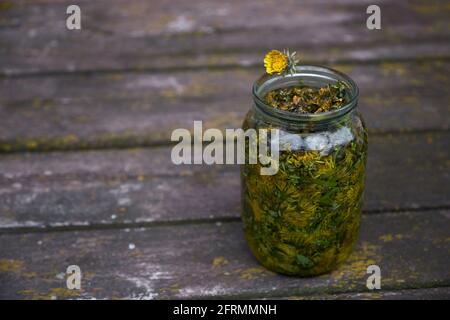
[[304, 219]]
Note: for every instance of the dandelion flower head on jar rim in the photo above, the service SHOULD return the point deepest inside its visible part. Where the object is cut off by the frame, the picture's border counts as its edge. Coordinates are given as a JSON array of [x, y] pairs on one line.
[[280, 62]]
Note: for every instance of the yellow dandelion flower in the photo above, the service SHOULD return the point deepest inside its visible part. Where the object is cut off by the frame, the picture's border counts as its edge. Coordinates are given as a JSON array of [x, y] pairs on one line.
[[308, 207], [326, 167], [309, 157], [275, 62]]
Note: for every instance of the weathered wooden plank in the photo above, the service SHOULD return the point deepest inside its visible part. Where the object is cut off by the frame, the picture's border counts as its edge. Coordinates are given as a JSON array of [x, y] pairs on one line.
[[116, 187], [213, 261], [412, 294], [134, 109], [171, 34]]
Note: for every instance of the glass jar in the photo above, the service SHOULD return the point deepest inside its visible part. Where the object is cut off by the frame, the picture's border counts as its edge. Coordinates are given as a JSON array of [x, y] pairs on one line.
[[304, 220]]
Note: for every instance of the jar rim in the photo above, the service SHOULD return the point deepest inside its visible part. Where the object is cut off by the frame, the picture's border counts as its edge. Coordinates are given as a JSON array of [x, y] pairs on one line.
[[300, 72]]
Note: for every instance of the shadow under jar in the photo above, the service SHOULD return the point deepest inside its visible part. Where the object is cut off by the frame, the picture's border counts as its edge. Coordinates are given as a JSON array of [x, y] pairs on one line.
[[304, 220]]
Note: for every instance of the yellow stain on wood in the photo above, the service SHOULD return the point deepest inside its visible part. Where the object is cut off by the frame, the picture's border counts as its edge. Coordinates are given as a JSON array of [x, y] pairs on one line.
[[371, 295], [31, 144], [251, 273], [399, 236], [430, 8], [5, 147], [346, 68], [170, 93], [389, 68], [122, 210], [186, 173], [356, 265], [386, 237], [46, 104], [69, 139], [10, 265], [6, 5], [219, 262], [389, 237], [36, 102]]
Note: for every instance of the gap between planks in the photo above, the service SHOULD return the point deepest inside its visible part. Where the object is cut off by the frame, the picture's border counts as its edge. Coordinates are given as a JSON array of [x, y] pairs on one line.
[[168, 223], [199, 68], [161, 144]]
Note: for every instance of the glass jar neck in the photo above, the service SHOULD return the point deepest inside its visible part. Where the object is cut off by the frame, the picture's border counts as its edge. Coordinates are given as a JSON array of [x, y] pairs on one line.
[[312, 76]]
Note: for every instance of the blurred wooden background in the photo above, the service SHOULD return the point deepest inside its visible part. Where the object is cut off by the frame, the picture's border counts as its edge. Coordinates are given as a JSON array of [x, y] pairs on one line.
[[85, 124]]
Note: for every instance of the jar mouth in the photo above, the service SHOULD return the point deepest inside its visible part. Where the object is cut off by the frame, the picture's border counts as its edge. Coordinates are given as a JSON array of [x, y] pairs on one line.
[[311, 75]]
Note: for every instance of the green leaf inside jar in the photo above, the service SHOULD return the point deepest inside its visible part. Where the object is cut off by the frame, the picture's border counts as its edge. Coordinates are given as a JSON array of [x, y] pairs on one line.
[[305, 219]]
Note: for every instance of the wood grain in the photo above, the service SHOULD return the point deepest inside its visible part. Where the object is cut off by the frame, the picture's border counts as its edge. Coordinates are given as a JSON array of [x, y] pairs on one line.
[[155, 35], [213, 261], [142, 228], [142, 109], [142, 187]]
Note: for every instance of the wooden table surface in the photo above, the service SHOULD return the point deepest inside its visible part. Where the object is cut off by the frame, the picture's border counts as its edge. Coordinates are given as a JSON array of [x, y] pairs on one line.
[[85, 123]]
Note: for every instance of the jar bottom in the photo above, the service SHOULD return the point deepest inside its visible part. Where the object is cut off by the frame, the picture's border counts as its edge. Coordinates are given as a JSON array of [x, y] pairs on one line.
[[323, 267]]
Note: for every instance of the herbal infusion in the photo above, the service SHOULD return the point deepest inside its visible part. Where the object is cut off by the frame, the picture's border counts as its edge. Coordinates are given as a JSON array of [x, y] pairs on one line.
[[305, 219]]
